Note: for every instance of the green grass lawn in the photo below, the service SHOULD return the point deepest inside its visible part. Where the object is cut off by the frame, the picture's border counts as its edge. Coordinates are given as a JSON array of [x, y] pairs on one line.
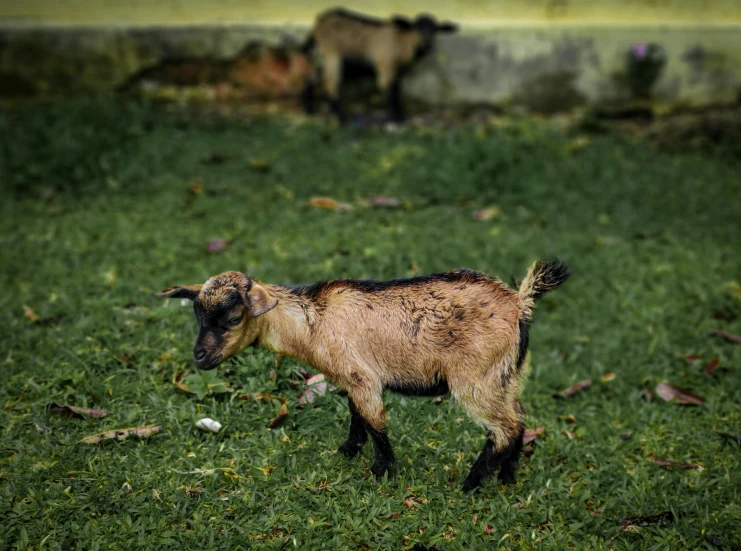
[[100, 211]]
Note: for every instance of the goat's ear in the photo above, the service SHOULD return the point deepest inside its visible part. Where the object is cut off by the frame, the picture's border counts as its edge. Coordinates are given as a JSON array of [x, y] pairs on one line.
[[259, 300], [186, 291], [401, 22], [447, 27]]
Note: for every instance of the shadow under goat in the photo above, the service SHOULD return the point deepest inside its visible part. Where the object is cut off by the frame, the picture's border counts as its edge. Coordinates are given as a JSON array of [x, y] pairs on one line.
[[390, 46], [459, 332]]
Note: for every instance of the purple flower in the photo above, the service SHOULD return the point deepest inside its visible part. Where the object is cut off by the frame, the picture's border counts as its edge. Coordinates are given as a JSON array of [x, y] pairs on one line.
[[639, 50]]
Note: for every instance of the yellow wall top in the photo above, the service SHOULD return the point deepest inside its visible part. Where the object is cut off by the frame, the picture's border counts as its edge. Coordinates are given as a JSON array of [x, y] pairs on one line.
[[471, 12]]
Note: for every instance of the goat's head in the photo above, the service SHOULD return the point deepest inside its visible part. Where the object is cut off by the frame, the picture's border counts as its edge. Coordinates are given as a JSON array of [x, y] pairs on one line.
[[226, 307], [427, 26]]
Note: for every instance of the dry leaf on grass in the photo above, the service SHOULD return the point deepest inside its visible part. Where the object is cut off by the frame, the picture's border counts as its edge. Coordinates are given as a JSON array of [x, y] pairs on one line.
[[670, 463], [683, 396], [711, 365], [578, 387], [218, 245], [74, 411], [260, 165], [567, 418], [212, 388], [531, 434], [30, 314], [388, 202], [329, 204], [122, 434], [315, 386], [727, 336], [323, 202], [648, 520], [692, 358], [282, 413], [491, 213], [715, 541], [607, 377]]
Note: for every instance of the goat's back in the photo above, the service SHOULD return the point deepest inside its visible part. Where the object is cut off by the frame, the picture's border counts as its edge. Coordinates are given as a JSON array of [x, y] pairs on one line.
[[411, 328]]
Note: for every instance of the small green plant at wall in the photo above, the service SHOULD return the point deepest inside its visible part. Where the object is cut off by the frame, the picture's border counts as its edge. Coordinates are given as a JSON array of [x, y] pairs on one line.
[[645, 63]]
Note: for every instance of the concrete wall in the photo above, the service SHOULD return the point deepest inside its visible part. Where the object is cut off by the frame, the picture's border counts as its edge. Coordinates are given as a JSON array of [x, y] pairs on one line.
[[544, 54]]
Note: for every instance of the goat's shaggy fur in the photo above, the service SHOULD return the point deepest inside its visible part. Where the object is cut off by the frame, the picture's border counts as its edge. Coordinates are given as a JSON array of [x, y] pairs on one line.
[[388, 45], [460, 332]]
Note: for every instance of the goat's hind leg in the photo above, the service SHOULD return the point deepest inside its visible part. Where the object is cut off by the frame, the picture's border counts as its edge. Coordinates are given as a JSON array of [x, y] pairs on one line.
[[510, 464], [502, 449], [358, 435]]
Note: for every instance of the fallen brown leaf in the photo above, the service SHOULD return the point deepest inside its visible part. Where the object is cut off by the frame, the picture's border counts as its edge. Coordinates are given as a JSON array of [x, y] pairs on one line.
[[30, 314], [567, 418], [711, 365], [282, 413], [260, 165], [177, 380], [649, 520], [491, 213], [218, 245], [389, 202], [74, 411], [727, 336], [692, 358], [487, 529], [578, 387], [323, 202], [670, 463], [122, 434], [607, 377], [195, 188], [394, 515], [315, 386], [531, 434], [715, 541], [669, 392]]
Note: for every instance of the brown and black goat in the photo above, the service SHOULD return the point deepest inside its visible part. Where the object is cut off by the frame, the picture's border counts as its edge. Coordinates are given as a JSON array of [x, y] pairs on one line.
[[459, 332], [389, 46]]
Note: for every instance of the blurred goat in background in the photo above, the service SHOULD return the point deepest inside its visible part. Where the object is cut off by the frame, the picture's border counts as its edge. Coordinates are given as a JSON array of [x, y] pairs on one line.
[[390, 46]]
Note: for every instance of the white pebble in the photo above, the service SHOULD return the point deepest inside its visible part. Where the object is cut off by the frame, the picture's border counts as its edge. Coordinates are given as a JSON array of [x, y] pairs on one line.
[[208, 424]]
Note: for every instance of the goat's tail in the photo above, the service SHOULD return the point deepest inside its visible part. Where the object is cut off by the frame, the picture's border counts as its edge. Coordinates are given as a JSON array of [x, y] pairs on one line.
[[542, 276]]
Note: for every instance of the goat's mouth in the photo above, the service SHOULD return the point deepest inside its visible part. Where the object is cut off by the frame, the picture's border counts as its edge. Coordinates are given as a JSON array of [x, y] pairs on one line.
[[207, 364]]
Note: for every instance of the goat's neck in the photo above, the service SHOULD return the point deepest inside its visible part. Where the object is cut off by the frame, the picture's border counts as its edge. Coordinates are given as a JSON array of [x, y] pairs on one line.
[[286, 328]]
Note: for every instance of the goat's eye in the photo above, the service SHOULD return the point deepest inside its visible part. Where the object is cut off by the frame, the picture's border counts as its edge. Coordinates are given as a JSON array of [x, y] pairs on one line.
[[235, 320]]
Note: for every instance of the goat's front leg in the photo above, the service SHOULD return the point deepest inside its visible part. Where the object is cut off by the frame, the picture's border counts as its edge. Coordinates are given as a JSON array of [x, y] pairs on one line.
[[368, 400], [358, 435]]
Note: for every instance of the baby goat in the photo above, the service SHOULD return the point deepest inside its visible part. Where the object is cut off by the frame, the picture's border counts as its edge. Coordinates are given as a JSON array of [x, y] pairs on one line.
[[458, 332], [389, 46]]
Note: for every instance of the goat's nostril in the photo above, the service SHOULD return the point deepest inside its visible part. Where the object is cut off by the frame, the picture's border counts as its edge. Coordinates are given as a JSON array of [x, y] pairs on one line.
[[199, 354]]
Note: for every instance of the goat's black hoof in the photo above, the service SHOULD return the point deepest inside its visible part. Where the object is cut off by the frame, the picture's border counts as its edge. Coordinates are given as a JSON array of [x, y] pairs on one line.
[[470, 485], [350, 449], [507, 477], [380, 469]]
